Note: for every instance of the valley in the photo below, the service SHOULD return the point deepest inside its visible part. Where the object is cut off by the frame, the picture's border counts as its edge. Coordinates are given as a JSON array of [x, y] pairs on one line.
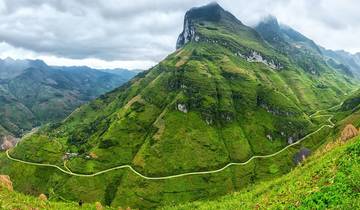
[[234, 111]]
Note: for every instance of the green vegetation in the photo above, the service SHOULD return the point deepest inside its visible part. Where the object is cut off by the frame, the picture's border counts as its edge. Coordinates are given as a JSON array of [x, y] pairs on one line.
[[327, 180], [211, 102]]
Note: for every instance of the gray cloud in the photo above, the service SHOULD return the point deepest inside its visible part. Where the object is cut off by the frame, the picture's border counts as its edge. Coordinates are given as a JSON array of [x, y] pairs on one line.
[[147, 30]]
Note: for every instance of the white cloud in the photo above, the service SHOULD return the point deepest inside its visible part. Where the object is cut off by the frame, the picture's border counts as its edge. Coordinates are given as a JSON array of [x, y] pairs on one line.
[[7, 50], [139, 33]]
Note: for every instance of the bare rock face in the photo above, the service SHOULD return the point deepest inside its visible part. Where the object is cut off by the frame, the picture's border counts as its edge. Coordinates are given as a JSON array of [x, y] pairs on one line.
[[7, 142], [349, 132], [301, 155], [98, 206], [182, 108], [6, 182], [187, 35], [43, 197], [93, 155], [257, 57]]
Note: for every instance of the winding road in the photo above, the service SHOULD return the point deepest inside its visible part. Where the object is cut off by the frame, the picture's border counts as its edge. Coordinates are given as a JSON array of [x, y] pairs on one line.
[[69, 172]]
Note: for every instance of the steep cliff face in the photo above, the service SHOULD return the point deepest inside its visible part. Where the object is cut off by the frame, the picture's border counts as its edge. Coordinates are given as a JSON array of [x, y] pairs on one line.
[[187, 34]]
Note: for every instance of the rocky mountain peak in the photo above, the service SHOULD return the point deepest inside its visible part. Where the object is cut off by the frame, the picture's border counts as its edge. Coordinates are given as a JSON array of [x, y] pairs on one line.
[[212, 12], [209, 12], [270, 29], [270, 21]]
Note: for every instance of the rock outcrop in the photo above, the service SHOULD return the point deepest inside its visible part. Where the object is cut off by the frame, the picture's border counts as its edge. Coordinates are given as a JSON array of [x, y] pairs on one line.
[[301, 155], [257, 57], [98, 206], [8, 142], [5, 181], [182, 108], [349, 132], [43, 197]]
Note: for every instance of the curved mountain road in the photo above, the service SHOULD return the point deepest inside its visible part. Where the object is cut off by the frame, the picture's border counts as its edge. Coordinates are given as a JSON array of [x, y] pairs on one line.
[[69, 172]]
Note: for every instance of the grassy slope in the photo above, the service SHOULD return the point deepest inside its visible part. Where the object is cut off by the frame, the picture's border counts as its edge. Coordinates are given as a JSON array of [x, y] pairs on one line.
[[327, 180], [14, 200], [225, 96]]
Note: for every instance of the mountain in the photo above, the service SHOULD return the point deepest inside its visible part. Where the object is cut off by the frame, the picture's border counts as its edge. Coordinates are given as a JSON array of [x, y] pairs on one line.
[[124, 73], [284, 36], [40, 94], [341, 57], [10, 68], [304, 51], [225, 95], [300, 49], [276, 33]]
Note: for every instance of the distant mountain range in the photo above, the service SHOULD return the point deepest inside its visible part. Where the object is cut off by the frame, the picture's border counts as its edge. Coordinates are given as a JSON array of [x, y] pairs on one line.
[[33, 93]]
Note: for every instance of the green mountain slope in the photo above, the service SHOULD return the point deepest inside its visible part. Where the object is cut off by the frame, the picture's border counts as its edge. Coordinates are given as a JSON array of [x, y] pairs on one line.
[[14, 200], [329, 179], [224, 96]]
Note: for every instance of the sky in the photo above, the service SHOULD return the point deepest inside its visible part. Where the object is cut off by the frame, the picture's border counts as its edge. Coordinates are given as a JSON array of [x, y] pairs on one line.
[[137, 34]]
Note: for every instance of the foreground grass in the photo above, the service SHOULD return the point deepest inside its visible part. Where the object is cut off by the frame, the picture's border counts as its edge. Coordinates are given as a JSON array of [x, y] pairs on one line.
[[330, 179], [13, 200]]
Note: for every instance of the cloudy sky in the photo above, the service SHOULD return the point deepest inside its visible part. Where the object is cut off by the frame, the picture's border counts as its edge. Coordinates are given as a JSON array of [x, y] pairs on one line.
[[139, 33]]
